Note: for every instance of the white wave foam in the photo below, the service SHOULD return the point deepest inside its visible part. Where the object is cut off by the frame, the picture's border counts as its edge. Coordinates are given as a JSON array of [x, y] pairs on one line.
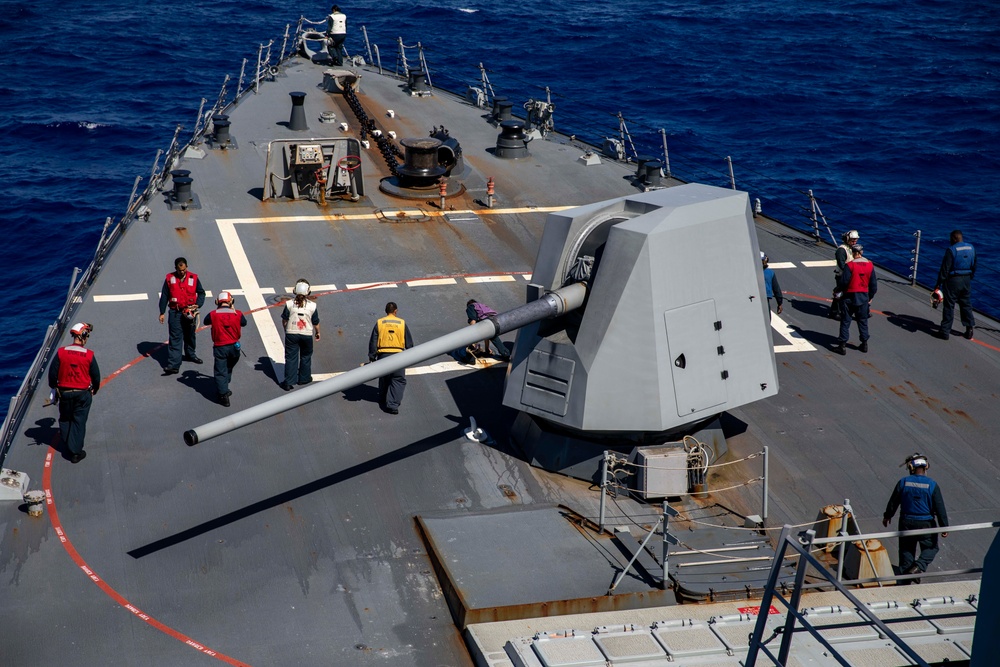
[[467, 10]]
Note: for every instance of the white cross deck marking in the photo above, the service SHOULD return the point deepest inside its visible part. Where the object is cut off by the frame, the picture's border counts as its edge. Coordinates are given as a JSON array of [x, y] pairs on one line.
[[121, 297], [268, 330], [430, 369], [490, 279], [374, 216], [370, 285], [781, 265], [812, 263], [427, 282], [315, 288], [796, 342]]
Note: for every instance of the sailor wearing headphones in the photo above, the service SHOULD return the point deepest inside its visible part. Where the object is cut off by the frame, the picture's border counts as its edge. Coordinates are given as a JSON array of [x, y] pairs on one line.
[[919, 500]]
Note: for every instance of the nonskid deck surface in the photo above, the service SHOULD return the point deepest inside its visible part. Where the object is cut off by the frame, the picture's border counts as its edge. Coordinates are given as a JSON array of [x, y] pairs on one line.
[[293, 540]]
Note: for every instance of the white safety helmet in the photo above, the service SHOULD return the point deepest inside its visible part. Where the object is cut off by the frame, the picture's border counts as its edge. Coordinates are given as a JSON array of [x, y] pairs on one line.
[[302, 287], [915, 461], [853, 234], [224, 297], [81, 329]]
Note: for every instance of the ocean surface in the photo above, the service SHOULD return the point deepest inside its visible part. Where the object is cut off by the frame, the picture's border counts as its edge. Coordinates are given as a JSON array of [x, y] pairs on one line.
[[889, 112]]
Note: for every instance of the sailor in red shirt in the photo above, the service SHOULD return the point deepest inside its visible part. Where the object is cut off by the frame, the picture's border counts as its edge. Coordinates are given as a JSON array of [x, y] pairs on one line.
[[227, 326], [75, 376], [857, 286], [183, 294]]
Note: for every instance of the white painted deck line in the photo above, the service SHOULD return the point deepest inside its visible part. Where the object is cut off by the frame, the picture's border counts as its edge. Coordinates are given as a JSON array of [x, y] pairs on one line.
[[811, 263], [242, 292], [370, 285], [431, 369], [99, 298], [266, 328], [315, 289], [415, 212], [426, 282], [781, 265], [796, 342], [490, 279]]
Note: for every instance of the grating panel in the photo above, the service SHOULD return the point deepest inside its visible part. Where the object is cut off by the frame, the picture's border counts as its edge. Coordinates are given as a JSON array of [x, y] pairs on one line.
[[687, 640], [909, 628], [881, 656], [938, 606], [821, 617], [568, 652], [937, 652], [629, 647]]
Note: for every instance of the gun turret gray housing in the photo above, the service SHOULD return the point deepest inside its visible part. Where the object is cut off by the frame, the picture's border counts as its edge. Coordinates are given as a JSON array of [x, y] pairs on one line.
[[675, 329]]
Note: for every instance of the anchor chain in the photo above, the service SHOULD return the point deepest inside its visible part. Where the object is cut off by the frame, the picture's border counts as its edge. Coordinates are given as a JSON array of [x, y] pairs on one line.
[[389, 150]]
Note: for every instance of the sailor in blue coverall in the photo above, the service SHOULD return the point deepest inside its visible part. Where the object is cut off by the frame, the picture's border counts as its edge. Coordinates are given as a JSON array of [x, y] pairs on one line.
[[955, 277], [919, 500]]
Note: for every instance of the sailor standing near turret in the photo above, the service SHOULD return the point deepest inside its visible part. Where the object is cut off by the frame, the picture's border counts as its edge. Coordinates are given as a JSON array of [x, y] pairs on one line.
[[76, 378], [390, 335], [336, 33]]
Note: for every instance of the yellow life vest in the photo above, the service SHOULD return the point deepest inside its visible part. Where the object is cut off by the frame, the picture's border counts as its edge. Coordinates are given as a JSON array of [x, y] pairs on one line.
[[391, 334]]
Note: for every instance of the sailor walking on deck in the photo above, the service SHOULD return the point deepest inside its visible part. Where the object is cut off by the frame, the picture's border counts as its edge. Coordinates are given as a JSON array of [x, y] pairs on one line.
[[75, 376], [183, 294], [336, 33], [919, 500], [390, 335], [771, 286], [300, 320], [958, 267], [843, 256], [227, 327], [857, 287]]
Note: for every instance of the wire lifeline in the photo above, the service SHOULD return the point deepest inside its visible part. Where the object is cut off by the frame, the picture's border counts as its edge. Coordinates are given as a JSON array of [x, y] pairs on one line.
[[688, 493], [713, 465]]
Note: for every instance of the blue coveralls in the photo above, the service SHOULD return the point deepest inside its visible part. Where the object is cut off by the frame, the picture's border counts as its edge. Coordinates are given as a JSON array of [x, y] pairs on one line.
[[919, 500], [955, 277]]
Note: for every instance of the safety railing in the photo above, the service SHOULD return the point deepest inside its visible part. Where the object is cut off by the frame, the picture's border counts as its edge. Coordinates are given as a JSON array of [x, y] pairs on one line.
[[802, 544]]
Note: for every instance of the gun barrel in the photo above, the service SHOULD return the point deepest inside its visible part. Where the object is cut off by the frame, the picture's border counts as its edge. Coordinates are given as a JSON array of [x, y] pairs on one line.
[[551, 304]]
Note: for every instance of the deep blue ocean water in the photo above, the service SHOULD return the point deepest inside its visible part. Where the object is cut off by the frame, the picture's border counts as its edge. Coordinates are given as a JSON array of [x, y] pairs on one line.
[[888, 111]]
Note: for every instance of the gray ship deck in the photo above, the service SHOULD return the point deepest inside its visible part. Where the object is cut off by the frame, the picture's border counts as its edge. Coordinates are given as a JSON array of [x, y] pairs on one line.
[[293, 541]]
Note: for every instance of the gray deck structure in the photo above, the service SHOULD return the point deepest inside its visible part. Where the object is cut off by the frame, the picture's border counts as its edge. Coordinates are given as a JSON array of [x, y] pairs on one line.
[[294, 541]]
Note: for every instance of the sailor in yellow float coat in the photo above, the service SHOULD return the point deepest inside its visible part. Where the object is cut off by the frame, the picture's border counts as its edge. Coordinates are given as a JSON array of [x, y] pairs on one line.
[[390, 335]]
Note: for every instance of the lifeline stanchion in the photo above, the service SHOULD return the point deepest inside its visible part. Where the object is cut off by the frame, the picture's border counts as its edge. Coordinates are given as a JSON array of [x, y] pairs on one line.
[[763, 516], [604, 489]]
